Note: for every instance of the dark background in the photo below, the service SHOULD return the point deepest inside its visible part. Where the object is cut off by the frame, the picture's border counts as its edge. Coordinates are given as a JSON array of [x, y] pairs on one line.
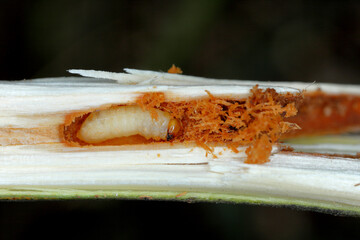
[[259, 40]]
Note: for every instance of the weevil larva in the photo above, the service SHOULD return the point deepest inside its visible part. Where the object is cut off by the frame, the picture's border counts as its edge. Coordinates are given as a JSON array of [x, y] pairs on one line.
[[125, 121]]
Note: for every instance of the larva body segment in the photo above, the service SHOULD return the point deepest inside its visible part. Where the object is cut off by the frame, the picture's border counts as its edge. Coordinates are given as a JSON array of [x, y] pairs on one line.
[[123, 121]]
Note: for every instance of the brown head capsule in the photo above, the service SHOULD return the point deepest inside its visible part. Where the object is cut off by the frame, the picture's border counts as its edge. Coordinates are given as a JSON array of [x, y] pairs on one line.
[[174, 129]]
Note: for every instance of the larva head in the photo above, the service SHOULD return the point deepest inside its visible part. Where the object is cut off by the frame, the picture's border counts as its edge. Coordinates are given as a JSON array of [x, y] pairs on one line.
[[174, 129]]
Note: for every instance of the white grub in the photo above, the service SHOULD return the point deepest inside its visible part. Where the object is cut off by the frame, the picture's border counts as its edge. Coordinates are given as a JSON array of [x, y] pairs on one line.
[[124, 121]]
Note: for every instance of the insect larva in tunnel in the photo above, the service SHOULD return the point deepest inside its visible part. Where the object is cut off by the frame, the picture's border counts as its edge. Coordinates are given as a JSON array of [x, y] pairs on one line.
[[125, 121]]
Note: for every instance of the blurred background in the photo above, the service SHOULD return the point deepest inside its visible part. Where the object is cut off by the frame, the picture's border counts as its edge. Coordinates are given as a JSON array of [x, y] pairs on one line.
[[257, 40]]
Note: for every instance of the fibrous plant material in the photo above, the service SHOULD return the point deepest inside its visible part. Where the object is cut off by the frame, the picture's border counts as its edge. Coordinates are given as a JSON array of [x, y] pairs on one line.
[[43, 151], [327, 113], [256, 122]]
